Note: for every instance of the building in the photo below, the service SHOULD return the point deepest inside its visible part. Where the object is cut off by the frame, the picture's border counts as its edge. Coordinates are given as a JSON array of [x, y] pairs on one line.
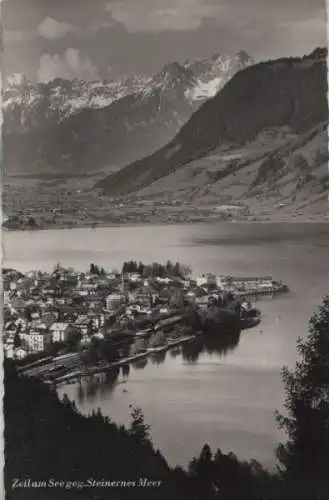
[[61, 331], [207, 279], [97, 320], [244, 283], [85, 341], [6, 298], [164, 280], [38, 340], [83, 324], [134, 277], [86, 288], [35, 316], [10, 328], [145, 295], [20, 353], [8, 348], [114, 301]]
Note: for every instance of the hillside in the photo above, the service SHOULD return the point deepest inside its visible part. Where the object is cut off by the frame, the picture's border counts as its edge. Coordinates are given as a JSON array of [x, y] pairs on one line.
[[264, 112], [278, 173], [47, 439], [66, 127]]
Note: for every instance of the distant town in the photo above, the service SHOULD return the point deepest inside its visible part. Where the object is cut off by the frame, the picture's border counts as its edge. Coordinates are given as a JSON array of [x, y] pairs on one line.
[[65, 323]]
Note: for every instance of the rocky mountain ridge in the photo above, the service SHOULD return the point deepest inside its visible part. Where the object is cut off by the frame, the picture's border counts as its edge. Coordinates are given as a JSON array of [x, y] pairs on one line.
[[29, 106], [82, 126]]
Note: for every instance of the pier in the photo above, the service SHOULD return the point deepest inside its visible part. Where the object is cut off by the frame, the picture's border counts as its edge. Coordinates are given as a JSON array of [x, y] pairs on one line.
[[261, 291]]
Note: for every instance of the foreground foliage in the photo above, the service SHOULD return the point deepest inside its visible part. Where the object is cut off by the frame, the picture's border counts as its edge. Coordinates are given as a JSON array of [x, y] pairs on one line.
[[305, 457]]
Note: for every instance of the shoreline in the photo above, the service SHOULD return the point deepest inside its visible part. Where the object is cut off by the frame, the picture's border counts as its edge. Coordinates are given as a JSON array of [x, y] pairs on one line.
[[323, 220], [70, 377]]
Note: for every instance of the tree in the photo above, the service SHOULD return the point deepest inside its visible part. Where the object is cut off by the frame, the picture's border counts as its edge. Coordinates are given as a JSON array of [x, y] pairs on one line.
[[157, 340], [305, 457], [57, 267], [185, 271], [138, 346], [17, 340], [108, 350], [28, 314], [138, 428], [74, 340], [176, 269], [31, 222], [169, 267], [176, 298]]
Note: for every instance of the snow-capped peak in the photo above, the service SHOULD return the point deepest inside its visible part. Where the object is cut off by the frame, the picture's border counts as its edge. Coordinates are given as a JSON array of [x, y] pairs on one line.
[[213, 73], [34, 105], [28, 105], [172, 75]]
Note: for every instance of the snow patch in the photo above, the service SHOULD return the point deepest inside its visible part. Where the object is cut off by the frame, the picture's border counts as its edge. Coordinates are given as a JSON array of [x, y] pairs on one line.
[[205, 90]]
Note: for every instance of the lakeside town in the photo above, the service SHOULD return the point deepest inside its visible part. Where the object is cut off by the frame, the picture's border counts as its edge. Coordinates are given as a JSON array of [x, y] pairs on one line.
[[65, 323]]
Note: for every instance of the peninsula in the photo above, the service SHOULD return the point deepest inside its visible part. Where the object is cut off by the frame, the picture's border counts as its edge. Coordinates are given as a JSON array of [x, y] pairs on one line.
[[64, 323]]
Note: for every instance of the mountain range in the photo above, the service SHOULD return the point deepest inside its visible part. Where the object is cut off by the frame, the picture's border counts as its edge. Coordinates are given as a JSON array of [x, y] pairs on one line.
[[263, 135], [74, 126]]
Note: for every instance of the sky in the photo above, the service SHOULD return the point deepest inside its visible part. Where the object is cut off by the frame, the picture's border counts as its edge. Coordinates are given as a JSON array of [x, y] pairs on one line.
[[93, 39]]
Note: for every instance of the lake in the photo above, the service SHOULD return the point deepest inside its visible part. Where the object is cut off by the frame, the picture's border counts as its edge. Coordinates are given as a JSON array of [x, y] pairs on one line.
[[224, 399]]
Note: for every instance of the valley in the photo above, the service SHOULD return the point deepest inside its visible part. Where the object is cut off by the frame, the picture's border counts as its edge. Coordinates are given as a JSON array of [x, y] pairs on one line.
[[59, 204]]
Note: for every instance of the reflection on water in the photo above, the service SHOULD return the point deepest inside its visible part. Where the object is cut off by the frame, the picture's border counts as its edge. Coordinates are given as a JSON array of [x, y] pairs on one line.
[[125, 370], [157, 358], [210, 344], [103, 384], [89, 388], [175, 352], [140, 364]]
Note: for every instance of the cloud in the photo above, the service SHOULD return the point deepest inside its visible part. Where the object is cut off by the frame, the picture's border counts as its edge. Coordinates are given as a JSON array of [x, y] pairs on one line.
[[13, 36], [143, 35], [52, 29], [161, 15], [29, 14], [154, 16], [69, 66]]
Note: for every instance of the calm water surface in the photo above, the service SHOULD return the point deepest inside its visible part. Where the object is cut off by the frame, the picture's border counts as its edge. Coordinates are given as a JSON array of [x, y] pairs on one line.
[[227, 400]]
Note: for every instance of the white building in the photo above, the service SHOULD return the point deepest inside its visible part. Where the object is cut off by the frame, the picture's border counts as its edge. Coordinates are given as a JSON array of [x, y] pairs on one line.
[[9, 350], [83, 324], [38, 341], [20, 353], [207, 279], [60, 331], [244, 283], [86, 288], [134, 277], [163, 280], [114, 300]]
